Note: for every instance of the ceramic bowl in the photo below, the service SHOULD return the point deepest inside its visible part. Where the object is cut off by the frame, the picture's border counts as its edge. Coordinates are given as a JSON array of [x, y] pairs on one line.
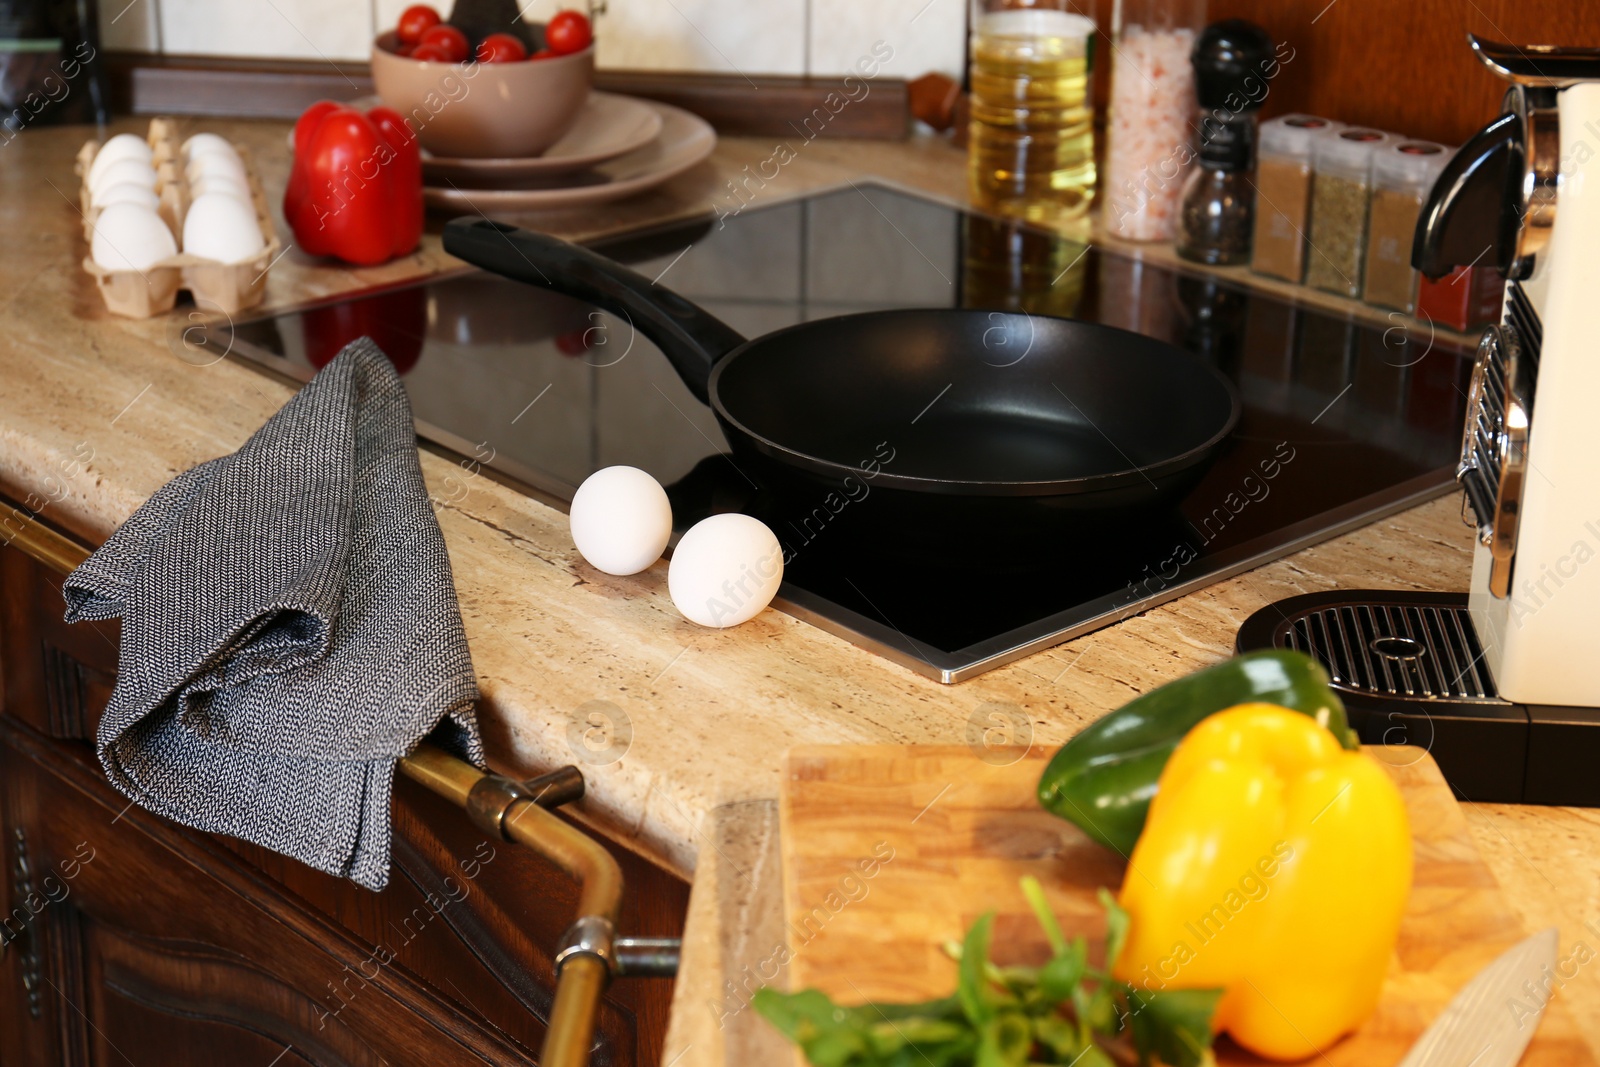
[[484, 110]]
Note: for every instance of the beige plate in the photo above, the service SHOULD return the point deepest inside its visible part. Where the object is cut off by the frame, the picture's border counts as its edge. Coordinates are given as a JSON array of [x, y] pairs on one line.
[[684, 140], [608, 126]]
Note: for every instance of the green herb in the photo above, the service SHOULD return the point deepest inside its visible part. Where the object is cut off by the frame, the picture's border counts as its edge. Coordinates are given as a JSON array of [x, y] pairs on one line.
[[1065, 1012]]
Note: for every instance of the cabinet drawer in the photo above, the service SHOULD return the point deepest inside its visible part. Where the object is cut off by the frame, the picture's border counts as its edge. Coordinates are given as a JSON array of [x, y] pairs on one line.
[[58, 678]]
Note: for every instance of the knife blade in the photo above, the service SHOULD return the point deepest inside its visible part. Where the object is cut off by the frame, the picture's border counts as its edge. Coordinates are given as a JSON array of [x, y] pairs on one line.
[[1479, 1027]]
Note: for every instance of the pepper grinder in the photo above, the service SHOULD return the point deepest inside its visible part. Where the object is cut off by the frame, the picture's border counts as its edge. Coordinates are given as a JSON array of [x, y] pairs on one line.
[[1233, 61]]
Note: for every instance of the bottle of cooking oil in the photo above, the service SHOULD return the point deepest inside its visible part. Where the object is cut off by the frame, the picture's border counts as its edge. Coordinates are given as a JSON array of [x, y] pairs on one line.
[[1030, 150]]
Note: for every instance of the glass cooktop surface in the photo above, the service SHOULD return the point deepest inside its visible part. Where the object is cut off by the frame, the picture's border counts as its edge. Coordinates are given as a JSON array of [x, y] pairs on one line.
[[1344, 420]]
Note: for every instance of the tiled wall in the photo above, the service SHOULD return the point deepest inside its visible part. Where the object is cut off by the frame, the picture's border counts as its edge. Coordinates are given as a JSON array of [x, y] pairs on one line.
[[729, 36]]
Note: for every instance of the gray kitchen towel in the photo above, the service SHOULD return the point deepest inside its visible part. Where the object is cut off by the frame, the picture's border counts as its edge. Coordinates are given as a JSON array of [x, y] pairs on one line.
[[289, 629]]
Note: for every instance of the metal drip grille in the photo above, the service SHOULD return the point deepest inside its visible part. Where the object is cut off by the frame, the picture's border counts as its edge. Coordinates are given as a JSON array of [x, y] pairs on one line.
[[1419, 652], [1507, 364], [1483, 443], [1521, 316]]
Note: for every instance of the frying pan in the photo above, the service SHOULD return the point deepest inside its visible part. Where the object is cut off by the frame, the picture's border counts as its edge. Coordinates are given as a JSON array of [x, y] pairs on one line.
[[963, 403]]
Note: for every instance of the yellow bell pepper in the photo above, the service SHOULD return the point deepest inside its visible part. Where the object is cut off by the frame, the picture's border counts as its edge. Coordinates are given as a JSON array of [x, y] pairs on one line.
[[1275, 866]]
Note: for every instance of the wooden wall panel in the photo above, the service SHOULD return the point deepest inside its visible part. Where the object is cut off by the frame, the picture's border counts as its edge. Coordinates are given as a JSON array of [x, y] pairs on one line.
[[1404, 65], [1400, 65]]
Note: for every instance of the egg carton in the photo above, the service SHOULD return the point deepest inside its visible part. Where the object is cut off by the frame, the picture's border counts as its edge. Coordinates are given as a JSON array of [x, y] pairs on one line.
[[215, 286]]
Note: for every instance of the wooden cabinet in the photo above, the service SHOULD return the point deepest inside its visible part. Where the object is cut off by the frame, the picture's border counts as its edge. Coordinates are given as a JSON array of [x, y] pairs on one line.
[[131, 940]]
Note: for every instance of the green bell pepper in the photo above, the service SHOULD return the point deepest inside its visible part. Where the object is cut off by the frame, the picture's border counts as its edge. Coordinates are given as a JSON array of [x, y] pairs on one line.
[[1103, 779]]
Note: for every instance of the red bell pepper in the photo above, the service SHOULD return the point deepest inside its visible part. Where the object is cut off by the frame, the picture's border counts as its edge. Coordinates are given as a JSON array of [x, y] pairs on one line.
[[355, 189]]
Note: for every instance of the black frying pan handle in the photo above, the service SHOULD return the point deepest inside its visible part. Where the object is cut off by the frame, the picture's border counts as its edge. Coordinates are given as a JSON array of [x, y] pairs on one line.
[[692, 337]]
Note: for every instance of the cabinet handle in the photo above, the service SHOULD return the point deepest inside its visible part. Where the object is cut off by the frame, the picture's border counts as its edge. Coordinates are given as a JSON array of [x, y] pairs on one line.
[[590, 954]]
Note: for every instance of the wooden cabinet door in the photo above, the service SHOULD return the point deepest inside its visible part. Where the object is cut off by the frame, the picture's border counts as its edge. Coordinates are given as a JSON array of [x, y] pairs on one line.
[[136, 947], [133, 941]]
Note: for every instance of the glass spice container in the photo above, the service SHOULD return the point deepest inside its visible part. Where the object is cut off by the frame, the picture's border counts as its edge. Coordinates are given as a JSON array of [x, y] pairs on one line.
[[1218, 206], [1402, 176], [1340, 184], [1283, 194], [1152, 104], [1030, 140]]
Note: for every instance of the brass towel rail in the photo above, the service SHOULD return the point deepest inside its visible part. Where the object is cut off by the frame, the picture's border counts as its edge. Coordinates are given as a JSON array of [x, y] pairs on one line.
[[590, 953], [516, 811]]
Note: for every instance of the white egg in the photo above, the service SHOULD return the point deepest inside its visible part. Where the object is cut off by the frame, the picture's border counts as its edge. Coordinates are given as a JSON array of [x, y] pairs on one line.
[[122, 146], [216, 166], [205, 144], [130, 171], [621, 520], [128, 193], [221, 228], [220, 183], [725, 570], [130, 237]]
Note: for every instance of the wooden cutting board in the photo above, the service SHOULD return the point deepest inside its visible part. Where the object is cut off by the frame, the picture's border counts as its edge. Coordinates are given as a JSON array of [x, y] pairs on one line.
[[889, 851]]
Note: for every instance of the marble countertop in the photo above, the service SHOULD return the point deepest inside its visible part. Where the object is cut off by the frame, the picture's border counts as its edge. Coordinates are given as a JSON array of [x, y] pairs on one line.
[[711, 712]]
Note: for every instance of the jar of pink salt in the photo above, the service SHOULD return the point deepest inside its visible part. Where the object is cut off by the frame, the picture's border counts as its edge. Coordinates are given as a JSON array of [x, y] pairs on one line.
[[1148, 141]]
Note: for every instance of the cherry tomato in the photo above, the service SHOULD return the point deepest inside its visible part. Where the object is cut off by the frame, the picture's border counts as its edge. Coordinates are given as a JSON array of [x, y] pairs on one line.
[[449, 40], [543, 53], [501, 48], [567, 32], [431, 53], [415, 21]]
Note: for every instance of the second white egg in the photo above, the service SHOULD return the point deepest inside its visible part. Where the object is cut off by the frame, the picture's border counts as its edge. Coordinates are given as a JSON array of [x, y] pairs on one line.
[[725, 570]]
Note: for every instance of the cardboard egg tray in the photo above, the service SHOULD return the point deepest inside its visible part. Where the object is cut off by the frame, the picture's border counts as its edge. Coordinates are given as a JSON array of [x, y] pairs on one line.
[[225, 287]]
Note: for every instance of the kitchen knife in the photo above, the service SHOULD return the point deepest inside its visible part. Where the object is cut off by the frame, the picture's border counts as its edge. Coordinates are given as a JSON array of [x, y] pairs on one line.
[[1479, 1027]]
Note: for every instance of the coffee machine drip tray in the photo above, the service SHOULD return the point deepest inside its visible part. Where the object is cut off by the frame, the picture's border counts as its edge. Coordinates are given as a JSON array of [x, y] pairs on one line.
[[1411, 671]]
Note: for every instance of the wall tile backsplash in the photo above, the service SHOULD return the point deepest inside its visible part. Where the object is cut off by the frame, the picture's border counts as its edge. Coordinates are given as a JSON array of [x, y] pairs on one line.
[[923, 35], [721, 36], [304, 29], [751, 37], [130, 25]]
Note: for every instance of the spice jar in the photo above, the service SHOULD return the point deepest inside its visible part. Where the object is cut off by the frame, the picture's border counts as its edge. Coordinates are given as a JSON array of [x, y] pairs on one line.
[[1218, 208], [1402, 176], [1283, 194], [1152, 104], [1340, 185]]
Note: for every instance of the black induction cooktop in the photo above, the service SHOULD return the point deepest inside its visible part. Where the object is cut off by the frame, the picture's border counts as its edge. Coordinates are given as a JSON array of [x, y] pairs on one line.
[[1344, 420]]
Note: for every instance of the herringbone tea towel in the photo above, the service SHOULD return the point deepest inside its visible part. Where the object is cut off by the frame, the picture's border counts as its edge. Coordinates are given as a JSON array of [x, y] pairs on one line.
[[289, 629]]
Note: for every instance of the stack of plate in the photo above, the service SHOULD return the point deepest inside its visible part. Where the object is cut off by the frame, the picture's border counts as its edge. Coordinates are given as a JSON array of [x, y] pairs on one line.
[[619, 146]]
